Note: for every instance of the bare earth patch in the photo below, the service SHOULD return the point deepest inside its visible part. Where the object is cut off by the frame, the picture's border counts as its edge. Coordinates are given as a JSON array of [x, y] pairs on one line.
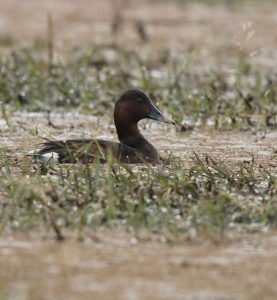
[[118, 266], [228, 146], [212, 31]]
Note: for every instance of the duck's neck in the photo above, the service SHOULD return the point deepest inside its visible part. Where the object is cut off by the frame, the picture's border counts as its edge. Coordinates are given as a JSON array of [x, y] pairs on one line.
[[128, 134]]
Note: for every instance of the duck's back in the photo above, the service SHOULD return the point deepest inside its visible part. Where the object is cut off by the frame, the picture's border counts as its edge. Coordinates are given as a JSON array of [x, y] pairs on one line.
[[88, 150]]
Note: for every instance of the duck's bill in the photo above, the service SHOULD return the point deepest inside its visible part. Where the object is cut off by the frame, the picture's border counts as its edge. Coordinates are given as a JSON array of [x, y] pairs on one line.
[[155, 114]]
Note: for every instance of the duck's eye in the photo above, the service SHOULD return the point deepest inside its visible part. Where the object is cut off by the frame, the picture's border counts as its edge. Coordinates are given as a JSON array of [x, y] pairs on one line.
[[139, 100]]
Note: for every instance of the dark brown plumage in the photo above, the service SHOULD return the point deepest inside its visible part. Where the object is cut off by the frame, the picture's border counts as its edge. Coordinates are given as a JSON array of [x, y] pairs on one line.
[[131, 107]]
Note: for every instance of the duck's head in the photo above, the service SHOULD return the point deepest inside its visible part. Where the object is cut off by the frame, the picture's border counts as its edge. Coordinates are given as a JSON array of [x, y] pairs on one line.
[[135, 105]]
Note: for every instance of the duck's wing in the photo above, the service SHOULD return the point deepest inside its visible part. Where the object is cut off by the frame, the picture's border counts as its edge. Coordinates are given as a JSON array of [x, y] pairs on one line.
[[70, 151], [85, 150]]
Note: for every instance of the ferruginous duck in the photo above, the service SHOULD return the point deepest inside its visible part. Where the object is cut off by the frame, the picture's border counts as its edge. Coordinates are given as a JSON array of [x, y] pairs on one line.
[[131, 107]]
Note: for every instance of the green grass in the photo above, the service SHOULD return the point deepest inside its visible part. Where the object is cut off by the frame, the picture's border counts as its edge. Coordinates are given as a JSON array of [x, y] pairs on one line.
[[91, 80], [206, 197], [202, 197]]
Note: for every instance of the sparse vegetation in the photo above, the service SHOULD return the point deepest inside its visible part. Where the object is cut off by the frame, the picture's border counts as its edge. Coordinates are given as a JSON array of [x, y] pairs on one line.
[[205, 197], [91, 80]]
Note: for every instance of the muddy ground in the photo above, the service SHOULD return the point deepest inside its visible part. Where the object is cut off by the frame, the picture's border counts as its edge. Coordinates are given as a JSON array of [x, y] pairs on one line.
[[119, 264]]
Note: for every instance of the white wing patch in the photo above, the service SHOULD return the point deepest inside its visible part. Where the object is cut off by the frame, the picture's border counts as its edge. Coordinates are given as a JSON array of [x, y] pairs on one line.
[[50, 157]]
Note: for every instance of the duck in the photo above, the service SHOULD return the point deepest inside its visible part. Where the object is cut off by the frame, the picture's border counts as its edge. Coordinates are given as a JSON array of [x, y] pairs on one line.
[[131, 107]]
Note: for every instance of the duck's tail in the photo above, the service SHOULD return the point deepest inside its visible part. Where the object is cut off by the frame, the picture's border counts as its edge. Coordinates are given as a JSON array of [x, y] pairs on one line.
[[50, 157], [69, 151], [47, 153]]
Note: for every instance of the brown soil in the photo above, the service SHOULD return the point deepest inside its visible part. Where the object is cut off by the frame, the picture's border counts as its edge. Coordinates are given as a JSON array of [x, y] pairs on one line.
[[212, 31], [118, 266], [228, 146]]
